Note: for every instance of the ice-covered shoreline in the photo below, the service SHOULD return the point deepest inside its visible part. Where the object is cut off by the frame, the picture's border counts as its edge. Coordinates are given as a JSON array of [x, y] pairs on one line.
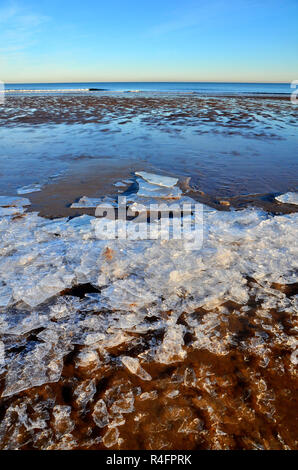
[[41, 258], [132, 289]]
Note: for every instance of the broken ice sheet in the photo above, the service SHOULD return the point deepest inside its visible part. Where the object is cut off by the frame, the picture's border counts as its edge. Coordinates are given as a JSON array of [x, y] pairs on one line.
[[149, 395], [111, 437], [37, 291], [84, 393], [5, 295], [133, 365], [7, 211], [119, 399], [2, 356], [93, 202], [88, 359], [20, 323], [121, 184], [156, 191], [128, 293], [159, 180], [288, 198], [8, 201], [148, 278], [64, 307], [125, 404], [171, 350], [32, 188], [38, 364], [100, 414], [157, 205], [62, 421]]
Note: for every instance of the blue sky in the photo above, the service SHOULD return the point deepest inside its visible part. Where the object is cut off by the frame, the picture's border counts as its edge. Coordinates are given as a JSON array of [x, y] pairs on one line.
[[156, 40]]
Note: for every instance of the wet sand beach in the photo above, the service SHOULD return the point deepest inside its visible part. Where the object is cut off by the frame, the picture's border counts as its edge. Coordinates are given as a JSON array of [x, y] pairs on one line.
[[229, 147]]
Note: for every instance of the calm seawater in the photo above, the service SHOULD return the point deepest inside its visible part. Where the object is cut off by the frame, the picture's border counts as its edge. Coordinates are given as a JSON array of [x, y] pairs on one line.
[[162, 87], [229, 145]]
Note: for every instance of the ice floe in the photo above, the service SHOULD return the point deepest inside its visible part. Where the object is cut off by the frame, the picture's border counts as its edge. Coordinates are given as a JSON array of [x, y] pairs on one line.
[[4, 211], [138, 286], [121, 184], [33, 188], [92, 202], [288, 198], [157, 191], [158, 180], [84, 393], [8, 201], [134, 367], [39, 363], [12, 205]]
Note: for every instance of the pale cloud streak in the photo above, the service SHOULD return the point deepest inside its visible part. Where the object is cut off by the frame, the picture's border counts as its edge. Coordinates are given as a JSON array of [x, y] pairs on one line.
[[19, 28], [196, 13], [190, 15]]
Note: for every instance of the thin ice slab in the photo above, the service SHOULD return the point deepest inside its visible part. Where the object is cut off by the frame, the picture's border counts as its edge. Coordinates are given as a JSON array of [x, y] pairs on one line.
[[7, 211], [92, 202], [32, 188], [156, 191], [35, 366], [133, 365], [12, 201], [121, 184], [288, 198], [160, 180]]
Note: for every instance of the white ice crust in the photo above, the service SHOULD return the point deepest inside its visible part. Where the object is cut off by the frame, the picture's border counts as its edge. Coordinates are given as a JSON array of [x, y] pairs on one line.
[[159, 180], [12, 201], [157, 191], [288, 198], [33, 188], [136, 280]]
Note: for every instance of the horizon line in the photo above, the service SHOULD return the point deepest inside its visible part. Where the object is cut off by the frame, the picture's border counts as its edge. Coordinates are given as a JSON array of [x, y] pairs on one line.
[[150, 81]]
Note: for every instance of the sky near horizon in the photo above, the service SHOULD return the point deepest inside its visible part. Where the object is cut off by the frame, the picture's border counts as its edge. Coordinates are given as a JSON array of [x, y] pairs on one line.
[[156, 40]]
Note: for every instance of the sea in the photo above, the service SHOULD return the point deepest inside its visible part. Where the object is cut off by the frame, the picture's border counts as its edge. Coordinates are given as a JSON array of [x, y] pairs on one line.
[[202, 88], [231, 139]]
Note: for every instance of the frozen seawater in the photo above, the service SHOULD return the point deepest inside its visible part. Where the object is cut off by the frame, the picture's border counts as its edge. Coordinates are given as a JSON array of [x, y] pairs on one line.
[[134, 367], [172, 349], [84, 393], [6, 211], [288, 198], [62, 421], [33, 188], [100, 414], [88, 359], [157, 186], [20, 323], [143, 286], [159, 180], [38, 364], [2, 357], [5, 295], [149, 395], [8, 201], [92, 202], [157, 191], [152, 203], [121, 184], [111, 437]]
